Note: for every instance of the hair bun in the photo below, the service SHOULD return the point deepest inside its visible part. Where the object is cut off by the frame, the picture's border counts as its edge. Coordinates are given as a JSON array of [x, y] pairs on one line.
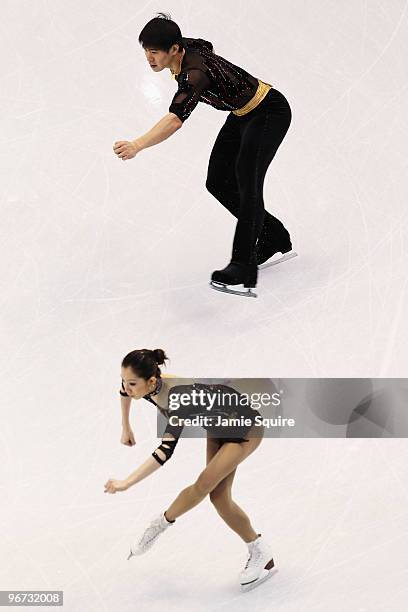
[[159, 355]]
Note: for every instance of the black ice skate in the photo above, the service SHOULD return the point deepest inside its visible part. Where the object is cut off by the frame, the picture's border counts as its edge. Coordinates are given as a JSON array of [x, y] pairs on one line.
[[273, 253], [236, 273]]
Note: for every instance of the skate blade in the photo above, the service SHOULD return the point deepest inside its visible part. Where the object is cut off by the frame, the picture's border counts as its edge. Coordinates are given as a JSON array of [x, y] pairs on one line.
[[277, 260], [252, 585], [225, 289], [135, 552]]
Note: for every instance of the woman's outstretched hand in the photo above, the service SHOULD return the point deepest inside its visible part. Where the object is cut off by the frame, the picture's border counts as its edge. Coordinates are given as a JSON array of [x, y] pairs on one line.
[[113, 486], [126, 149], [127, 437]]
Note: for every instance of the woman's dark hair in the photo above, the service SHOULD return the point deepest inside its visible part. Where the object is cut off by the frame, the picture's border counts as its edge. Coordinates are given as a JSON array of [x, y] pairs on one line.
[[144, 362], [161, 33]]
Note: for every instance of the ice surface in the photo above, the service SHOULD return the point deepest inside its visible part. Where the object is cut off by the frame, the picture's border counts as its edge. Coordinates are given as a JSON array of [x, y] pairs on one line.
[[101, 256]]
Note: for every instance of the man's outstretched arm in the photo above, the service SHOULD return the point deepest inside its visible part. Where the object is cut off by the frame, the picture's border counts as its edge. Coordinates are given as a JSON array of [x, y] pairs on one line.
[[169, 124]]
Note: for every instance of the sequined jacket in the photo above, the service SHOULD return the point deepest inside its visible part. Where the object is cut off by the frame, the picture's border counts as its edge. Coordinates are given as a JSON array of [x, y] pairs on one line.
[[207, 77]]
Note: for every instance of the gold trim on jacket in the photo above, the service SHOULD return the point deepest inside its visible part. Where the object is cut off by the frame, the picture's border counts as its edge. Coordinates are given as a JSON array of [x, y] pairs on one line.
[[260, 93]]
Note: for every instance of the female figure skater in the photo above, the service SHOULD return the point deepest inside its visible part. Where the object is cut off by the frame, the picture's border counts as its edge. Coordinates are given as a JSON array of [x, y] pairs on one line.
[[258, 120], [141, 378]]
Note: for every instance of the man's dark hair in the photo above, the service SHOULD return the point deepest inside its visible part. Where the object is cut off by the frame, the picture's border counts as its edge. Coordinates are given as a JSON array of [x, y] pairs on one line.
[[161, 33]]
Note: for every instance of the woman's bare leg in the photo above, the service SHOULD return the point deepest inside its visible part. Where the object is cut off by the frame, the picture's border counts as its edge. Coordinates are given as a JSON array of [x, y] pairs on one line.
[[230, 512], [227, 508], [222, 463]]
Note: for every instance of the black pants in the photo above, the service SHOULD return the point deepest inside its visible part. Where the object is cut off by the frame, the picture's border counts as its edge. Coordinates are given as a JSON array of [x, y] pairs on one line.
[[242, 152]]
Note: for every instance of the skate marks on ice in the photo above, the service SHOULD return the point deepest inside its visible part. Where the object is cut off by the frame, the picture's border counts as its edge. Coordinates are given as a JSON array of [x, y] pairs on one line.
[[277, 258]]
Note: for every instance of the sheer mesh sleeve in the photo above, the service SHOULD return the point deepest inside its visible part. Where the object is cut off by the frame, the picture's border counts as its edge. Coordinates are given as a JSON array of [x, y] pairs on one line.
[[186, 98]]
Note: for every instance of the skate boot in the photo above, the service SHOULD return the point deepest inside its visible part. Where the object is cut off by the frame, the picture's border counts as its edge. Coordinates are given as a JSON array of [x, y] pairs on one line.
[[259, 566], [236, 273], [150, 535], [265, 252]]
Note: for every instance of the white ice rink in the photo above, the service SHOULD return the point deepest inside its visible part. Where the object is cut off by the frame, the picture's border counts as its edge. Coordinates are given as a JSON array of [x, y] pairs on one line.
[[100, 256]]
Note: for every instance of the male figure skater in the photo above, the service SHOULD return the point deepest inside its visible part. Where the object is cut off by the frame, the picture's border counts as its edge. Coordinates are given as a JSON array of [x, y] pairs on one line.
[[258, 119]]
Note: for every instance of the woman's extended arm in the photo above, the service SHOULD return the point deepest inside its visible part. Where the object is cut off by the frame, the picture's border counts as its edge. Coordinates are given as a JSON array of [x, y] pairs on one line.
[[147, 468], [158, 458], [144, 470]]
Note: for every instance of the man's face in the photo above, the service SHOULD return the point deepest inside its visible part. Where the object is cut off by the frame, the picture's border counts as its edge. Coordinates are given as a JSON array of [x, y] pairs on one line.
[[158, 59]]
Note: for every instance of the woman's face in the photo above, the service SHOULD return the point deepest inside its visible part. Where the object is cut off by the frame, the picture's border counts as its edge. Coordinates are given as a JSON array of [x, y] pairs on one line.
[[135, 386]]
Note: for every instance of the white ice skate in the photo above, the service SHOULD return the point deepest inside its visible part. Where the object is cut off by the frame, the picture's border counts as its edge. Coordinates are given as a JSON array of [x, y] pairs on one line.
[[276, 258], [150, 535], [259, 566]]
